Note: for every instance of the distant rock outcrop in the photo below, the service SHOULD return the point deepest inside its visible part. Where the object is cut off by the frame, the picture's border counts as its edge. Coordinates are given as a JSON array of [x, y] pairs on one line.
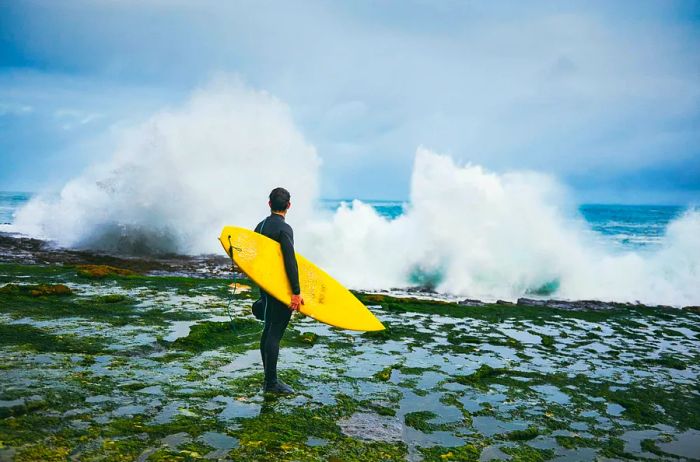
[[471, 302], [578, 305]]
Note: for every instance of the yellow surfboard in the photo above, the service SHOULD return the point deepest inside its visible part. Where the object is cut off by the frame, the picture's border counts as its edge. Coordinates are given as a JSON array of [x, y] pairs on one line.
[[325, 299]]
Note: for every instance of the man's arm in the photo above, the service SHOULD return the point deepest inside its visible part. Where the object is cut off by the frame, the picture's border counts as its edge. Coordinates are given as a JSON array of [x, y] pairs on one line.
[[290, 259]]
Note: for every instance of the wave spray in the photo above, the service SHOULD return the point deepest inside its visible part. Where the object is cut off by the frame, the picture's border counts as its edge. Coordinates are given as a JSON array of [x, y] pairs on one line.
[[175, 180]]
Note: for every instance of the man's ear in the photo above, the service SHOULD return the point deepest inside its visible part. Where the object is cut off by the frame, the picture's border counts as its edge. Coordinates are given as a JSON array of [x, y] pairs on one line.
[[289, 204], [269, 203]]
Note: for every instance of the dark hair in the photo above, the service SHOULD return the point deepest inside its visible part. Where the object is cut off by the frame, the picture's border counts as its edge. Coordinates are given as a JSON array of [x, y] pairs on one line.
[[279, 200]]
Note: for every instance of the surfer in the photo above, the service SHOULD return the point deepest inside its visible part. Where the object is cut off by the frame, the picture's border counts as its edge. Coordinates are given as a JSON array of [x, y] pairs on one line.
[[277, 314]]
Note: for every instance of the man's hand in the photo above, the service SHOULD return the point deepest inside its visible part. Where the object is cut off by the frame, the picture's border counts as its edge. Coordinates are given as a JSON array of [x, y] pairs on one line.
[[297, 301]]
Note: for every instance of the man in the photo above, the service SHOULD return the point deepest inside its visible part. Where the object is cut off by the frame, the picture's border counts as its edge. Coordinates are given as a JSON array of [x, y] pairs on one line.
[[277, 314]]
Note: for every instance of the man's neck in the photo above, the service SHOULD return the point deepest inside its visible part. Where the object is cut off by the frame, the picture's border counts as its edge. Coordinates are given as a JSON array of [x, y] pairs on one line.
[[282, 214]]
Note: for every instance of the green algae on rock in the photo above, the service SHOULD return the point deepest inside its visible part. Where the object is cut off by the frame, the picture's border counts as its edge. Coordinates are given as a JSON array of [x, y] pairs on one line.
[[527, 453], [36, 339], [522, 435], [102, 271], [466, 453], [420, 420], [39, 290], [212, 335]]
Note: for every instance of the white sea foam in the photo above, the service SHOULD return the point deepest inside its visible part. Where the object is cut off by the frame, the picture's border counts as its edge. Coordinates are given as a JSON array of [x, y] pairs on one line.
[[188, 171], [182, 175], [487, 236]]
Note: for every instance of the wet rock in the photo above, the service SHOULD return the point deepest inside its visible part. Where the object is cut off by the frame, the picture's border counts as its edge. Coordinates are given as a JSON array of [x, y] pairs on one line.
[[585, 305], [18, 249], [471, 302], [371, 427], [420, 290], [579, 305]]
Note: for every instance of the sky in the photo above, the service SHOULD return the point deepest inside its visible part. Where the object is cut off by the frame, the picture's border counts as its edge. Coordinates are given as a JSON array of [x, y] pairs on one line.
[[603, 95]]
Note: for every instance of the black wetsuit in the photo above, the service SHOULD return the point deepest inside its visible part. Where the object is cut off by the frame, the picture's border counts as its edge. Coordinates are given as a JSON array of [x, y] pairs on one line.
[[277, 314]]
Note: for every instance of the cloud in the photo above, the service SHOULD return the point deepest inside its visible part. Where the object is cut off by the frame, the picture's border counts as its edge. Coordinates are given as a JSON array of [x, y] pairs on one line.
[[570, 88], [73, 118], [15, 109]]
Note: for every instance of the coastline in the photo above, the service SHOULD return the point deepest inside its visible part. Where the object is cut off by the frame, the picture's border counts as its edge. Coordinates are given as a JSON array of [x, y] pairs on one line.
[[27, 250]]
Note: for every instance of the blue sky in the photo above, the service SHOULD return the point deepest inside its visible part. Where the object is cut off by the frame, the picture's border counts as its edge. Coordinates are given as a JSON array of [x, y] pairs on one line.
[[604, 95]]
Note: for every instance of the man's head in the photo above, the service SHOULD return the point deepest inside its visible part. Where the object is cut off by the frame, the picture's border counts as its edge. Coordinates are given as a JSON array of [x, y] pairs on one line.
[[279, 200]]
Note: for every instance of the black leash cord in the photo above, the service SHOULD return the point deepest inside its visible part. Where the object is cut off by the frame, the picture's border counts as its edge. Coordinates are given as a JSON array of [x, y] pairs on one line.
[[231, 294]]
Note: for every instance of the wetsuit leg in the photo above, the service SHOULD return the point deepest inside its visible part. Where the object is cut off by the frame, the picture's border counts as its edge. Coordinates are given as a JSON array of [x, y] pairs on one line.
[[263, 338], [277, 317]]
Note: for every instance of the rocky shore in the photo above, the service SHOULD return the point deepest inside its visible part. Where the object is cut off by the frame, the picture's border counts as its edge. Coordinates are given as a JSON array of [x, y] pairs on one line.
[[107, 358]]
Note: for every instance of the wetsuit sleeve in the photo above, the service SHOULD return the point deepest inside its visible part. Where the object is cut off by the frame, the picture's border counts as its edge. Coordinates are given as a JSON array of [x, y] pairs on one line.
[[290, 260]]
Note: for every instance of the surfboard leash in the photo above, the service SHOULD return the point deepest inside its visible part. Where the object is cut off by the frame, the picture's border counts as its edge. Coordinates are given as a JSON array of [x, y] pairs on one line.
[[231, 294]]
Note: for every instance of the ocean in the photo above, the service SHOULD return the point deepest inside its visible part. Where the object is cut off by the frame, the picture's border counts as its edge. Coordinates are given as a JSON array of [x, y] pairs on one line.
[[632, 227], [9, 203]]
